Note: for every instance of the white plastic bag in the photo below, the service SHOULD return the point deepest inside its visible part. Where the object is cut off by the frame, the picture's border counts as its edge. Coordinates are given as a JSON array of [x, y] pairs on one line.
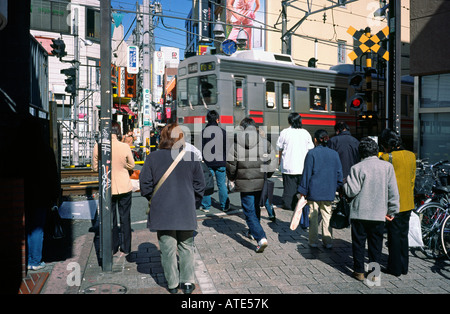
[[297, 215], [415, 231], [135, 185]]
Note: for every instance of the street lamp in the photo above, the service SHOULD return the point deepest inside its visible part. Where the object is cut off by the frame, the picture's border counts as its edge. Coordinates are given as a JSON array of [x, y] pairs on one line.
[[242, 38], [86, 42], [219, 32]]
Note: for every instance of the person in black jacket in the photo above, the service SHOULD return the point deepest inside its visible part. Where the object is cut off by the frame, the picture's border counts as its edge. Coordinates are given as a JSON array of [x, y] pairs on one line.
[[346, 146], [172, 211], [214, 150]]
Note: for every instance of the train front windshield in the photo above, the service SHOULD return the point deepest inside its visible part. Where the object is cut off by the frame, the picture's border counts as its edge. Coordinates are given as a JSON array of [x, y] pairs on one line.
[[197, 91]]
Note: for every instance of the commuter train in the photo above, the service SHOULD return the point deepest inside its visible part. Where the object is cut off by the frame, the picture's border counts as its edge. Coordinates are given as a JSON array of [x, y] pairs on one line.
[[268, 86]]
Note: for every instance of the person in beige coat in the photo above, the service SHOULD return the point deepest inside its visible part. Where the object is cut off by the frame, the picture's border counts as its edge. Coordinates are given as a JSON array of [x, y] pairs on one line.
[[121, 189]]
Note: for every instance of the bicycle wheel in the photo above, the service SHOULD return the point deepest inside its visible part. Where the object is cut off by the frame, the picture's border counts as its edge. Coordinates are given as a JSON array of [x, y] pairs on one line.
[[445, 236], [431, 217]]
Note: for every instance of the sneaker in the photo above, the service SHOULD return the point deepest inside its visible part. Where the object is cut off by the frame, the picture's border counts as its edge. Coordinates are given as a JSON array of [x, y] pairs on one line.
[[203, 209], [328, 246], [262, 244], [37, 267], [313, 245]]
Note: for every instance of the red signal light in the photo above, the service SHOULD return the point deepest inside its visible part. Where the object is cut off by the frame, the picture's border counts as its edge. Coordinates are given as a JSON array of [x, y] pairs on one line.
[[357, 101]]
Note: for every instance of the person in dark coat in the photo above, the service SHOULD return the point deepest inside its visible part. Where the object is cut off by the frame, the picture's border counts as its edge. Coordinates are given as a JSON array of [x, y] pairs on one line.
[[214, 150], [346, 146], [322, 176], [172, 210], [246, 165]]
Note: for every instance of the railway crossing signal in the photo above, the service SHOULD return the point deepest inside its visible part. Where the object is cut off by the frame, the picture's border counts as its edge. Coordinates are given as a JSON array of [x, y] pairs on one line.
[[357, 102], [368, 43]]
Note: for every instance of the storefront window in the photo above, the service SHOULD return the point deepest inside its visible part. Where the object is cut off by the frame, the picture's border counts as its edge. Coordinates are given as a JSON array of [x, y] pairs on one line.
[[435, 136]]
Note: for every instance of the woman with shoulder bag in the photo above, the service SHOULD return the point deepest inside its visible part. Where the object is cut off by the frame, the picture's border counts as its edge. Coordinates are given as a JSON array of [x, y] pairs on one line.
[[172, 209]]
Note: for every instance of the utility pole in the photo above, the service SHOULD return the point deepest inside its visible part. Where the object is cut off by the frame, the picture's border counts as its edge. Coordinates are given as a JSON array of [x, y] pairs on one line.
[[394, 66], [146, 81], [105, 138]]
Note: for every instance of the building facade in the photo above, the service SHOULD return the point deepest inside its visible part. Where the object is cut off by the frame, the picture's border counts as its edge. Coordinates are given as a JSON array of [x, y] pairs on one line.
[[77, 23], [430, 65]]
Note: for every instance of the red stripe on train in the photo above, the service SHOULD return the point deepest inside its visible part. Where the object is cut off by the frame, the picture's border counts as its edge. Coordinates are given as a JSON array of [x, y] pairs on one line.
[[202, 119], [318, 122]]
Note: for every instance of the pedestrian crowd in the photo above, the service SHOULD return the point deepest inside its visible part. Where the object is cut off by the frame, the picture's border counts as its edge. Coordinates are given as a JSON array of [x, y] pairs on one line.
[[378, 186]]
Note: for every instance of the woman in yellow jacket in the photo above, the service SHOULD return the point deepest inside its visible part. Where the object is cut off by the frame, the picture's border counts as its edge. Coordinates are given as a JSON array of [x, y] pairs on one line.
[[404, 163]]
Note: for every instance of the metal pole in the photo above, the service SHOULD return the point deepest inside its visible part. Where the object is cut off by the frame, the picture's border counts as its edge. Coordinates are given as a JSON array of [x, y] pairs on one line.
[[105, 138], [395, 75], [285, 38], [75, 95], [146, 70]]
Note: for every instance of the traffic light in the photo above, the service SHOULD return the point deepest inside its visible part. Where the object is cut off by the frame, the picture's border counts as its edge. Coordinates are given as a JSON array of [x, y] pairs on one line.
[[357, 102], [71, 80], [59, 48], [356, 80]]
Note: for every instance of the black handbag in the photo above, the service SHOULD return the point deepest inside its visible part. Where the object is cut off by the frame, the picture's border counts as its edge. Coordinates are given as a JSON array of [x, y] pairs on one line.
[[56, 221], [340, 218], [267, 192], [209, 180]]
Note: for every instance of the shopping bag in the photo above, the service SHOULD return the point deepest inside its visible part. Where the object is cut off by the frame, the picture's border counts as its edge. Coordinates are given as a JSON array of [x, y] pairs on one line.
[[297, 215], [340, 218], [415, 231]]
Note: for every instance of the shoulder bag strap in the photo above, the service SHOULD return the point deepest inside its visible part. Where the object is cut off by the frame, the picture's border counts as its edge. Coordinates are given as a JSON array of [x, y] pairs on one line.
[[165, 175]]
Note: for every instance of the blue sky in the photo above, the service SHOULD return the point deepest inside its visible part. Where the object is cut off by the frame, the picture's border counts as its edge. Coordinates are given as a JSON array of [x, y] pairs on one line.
[[163, 36]]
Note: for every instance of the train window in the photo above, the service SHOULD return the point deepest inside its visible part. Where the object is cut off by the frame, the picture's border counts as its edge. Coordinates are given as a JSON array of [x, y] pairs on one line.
[[239, 93], [208, 89], [338, 101], [286, 95], [271, 101], [318, 98], [192, 90], [182, 93]]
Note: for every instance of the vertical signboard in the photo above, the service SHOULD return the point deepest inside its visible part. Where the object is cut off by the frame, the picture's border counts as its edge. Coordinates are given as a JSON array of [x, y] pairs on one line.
[[205, 19], [146, 96], [158, 63], [133, 60]]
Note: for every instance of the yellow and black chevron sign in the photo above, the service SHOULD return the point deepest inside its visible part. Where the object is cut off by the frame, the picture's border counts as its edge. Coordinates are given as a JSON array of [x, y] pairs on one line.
[[368, 43]]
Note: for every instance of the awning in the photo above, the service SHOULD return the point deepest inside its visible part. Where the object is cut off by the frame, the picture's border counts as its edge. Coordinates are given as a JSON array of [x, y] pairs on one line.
[[124, 109]]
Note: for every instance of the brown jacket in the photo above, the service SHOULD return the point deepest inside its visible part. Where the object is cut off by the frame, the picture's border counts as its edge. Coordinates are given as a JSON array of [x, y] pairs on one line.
[[121, 161]]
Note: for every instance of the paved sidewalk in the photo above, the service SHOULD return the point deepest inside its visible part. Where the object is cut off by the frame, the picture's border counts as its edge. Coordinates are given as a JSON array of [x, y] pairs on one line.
[[226, 263]]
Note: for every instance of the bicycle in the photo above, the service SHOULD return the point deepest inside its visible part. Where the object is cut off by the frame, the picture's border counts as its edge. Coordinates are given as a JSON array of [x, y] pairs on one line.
[[432, 216], [445, 236], [433, 211]]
